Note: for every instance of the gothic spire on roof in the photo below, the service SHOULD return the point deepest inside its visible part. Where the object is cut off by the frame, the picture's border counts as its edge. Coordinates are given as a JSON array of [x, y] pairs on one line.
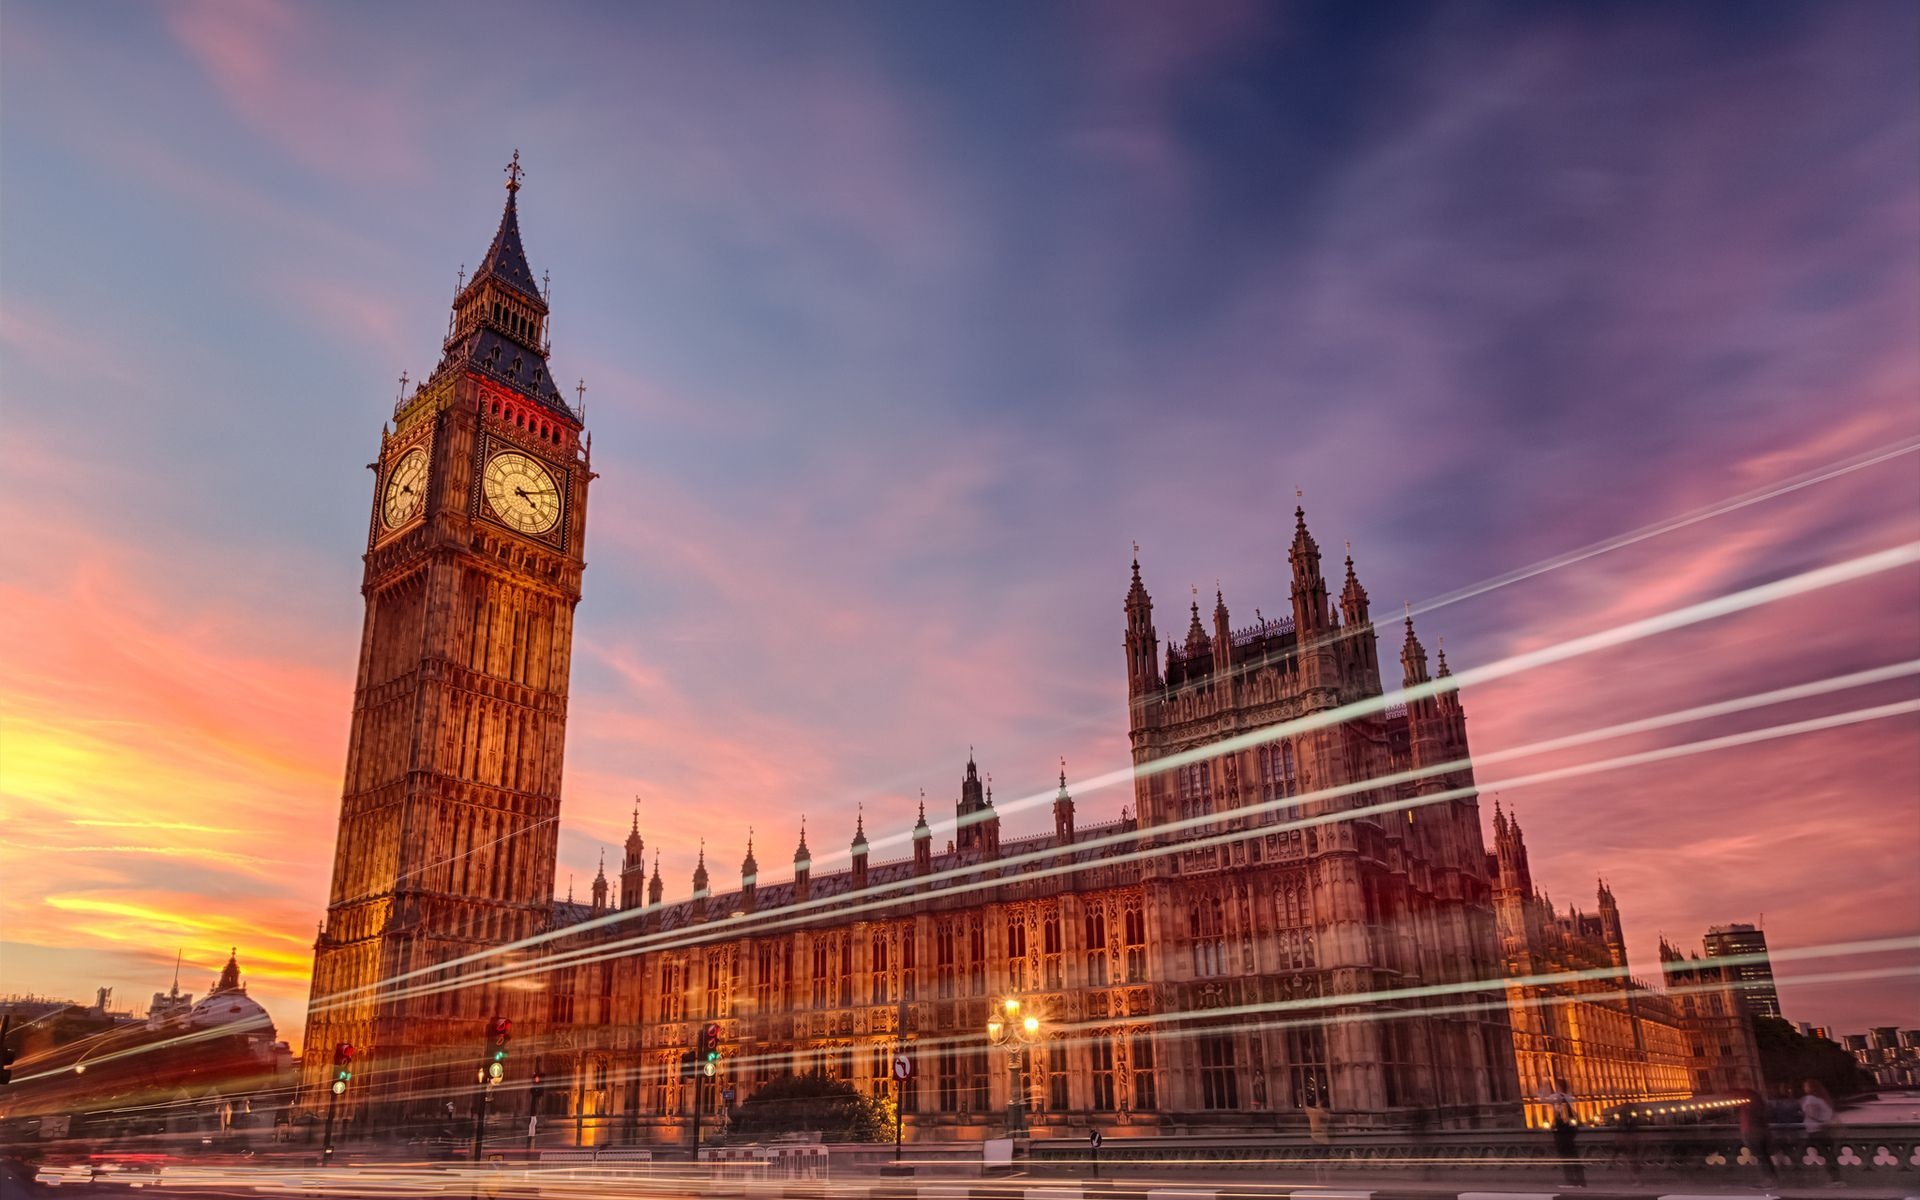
[[506, 258], [860, 829], [801, 853], [499, 323]]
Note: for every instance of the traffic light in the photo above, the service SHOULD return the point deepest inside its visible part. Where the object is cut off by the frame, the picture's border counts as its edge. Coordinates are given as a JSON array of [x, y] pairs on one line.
[[710, 1049], [342, 1066], [6, 1052], [499, 1033], [687, 1068]]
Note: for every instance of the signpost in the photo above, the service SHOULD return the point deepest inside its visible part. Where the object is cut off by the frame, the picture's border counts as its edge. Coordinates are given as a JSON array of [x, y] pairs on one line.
[[1093, 1140], [902, 1071]]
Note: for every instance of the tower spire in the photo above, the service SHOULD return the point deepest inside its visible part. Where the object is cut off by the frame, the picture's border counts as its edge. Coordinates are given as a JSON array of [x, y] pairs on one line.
[[500, 314]]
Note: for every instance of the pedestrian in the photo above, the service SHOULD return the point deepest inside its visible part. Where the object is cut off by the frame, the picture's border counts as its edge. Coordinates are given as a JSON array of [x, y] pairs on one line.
[[1417, 1122], [1756, 1133], [1565, 1124], [1321, 1137], [1818, 1119]]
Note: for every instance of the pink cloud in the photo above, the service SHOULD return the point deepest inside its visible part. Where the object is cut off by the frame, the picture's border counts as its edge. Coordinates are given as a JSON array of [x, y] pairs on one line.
[[274, 64]]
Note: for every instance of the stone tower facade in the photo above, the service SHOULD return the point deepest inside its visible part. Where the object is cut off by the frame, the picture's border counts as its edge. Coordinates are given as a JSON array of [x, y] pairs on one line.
[[1392, 895], [449, 815]]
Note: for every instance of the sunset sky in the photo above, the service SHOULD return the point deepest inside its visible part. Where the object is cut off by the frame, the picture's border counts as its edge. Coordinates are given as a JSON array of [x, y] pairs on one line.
[[899, 324]]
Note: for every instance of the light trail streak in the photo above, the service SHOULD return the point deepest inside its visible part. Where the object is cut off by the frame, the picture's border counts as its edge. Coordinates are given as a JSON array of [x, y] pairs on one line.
[[730, 928], [1793, 483], [1886, 452], [1205, 1022], [805, 914], [1806, 582]]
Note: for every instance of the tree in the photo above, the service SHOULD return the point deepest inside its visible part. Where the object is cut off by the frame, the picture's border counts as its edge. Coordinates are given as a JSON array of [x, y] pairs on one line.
[[1788, 1058], [814, 1103]]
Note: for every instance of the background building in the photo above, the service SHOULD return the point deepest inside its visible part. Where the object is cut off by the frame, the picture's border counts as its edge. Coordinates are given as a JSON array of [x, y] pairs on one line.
[[1579, 1016], [1719, 1023], [1755, 973]]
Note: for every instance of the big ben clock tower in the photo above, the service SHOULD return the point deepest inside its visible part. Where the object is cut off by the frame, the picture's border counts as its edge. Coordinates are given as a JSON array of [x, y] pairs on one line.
[[449, 817]]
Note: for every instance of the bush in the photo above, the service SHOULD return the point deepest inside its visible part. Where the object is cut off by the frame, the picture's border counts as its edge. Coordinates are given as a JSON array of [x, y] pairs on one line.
[[1787, 1057], [814, 1103]]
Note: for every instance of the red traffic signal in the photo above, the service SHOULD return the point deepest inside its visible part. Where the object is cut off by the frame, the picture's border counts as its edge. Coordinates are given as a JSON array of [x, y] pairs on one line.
[[500, 1028], [710, 1038], [343, 1054]]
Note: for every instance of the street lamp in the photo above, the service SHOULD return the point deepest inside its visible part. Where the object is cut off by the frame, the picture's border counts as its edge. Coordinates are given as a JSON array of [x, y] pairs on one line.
[[1011, 1030]]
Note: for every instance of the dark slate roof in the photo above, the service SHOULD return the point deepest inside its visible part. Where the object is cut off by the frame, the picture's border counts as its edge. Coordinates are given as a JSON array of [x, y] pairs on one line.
[[489, 352], [534, 380], [507, 260]]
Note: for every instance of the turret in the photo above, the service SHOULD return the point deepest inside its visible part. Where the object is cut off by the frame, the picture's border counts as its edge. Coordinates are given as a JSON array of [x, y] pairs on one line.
[[633, 865], [1311, 612], [859, 849], [802, 865], [922, 842], [1353, 598], [749, 875], [1063, 810], [656, 887], [1222, 638], [700, 889], [1143, 644], [1358, 615], [600, 885], [1199, 647], [1413, 659], [1510, 852], [977, 825], [1610, 926]]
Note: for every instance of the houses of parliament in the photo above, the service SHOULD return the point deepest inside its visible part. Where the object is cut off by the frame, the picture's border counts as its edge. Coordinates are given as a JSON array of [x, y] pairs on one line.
[[1297, 911]]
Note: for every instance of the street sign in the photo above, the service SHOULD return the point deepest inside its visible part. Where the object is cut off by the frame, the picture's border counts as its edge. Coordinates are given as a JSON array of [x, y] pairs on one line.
[[339, 1087], [1093, 1135], [727, 1095], [708, 1068], [902, 1066]]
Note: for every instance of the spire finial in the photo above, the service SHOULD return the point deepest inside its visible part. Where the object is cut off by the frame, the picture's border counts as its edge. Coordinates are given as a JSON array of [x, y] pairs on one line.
[[860, 820], [1063, 772], [460, 280], [636, 814], [546, 285], [403, 385], [515, 171]]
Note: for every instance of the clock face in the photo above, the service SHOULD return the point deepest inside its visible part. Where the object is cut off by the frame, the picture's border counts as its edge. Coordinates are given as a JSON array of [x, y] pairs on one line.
[[522, 493], [406, 489]]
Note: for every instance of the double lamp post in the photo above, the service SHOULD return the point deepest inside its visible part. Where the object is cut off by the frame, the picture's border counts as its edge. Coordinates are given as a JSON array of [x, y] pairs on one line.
[[1010, 1030]]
